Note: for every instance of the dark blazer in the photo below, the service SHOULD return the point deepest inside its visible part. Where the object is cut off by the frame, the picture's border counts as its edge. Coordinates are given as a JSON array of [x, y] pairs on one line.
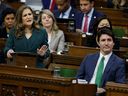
[[3, 32], [73, 13], [95, 15], [114, 71]]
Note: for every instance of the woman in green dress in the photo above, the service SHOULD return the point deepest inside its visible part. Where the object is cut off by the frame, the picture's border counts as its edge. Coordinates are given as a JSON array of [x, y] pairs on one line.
[[27, 36]]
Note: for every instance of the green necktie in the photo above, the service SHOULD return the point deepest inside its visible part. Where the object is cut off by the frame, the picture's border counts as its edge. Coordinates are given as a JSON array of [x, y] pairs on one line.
[[99, 72]]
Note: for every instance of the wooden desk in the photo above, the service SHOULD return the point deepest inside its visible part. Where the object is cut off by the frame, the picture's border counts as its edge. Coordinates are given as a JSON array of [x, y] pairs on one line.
[[74, 37], [24, 59], [18, 81], [66, 61], [116, 89]]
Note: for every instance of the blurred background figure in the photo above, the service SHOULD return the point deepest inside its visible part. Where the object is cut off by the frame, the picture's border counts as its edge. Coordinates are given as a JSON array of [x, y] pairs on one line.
[[56, 37], [65, 10], [115, 3], [49, 4], [8, 20], [3, 6], [86, 20]]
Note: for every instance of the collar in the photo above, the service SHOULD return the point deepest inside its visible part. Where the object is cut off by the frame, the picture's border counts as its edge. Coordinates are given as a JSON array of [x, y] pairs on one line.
[[106, 56], [90, 13], [67, 12]]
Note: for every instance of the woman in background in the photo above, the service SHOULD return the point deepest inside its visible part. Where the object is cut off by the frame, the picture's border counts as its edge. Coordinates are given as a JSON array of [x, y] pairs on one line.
[[103, 22], [8, 20], [56, 37], [27, 36]]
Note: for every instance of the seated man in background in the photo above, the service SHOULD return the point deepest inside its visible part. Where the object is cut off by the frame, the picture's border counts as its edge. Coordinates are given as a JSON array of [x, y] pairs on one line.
[[86, 20], [115, 3], [65, 10], [104, 66]]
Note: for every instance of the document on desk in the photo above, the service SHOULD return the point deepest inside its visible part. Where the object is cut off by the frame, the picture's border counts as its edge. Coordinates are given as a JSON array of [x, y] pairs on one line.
[[79, 81]]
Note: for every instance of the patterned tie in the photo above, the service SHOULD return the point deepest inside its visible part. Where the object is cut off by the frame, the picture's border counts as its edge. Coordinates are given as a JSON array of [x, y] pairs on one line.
[[100, 72], [85, 23]]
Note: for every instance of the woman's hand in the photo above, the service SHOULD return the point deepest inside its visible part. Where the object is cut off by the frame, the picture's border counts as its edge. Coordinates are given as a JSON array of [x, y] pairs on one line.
[[9, 53], [42, 50]]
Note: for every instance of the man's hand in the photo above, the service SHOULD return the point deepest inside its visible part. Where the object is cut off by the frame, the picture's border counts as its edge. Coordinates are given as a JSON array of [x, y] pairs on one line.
[[100, 90]]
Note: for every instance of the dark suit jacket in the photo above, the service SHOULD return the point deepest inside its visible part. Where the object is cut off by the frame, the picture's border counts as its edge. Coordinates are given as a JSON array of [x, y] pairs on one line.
[[74, 13], [95, 15], [3, 32], [114, 71]]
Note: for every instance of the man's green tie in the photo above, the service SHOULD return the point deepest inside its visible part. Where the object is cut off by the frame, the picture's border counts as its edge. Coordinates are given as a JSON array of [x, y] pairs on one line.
[[99, 72]]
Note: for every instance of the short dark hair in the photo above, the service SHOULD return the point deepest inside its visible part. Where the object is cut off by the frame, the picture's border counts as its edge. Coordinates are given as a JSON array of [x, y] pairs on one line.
[[107, 31], [8, 11], [91, 1]]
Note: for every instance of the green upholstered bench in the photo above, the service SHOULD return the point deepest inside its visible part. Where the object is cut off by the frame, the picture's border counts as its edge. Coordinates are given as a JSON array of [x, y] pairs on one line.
[[66, 72], [119, 31]]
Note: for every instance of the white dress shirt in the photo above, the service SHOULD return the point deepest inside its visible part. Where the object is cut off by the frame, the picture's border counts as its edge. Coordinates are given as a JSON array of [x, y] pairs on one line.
[[66, 13]]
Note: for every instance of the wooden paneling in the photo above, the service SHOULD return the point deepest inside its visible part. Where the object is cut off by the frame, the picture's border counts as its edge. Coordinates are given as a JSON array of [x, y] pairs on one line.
[[17, 81], [83, 51], [24, 59], [116, 89]]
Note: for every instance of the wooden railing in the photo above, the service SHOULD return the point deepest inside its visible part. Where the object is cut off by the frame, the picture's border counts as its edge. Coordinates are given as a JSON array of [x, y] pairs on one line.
[[116, 89], [19, 81]]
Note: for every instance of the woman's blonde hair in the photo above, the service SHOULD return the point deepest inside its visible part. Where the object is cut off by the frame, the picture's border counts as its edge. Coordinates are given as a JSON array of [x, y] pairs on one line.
[[49, 13]]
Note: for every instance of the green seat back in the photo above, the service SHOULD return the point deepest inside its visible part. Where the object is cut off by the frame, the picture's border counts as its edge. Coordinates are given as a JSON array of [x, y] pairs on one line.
[[119, 31], [66, 72]]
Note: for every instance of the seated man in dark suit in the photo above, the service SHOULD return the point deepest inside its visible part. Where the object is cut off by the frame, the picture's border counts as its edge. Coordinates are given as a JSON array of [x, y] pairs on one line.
[[65, 10], [85, 22], [103, 66]]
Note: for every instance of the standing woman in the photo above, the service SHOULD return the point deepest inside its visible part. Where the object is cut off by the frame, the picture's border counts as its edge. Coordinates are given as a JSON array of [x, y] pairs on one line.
[[27, 36], [56, 37]]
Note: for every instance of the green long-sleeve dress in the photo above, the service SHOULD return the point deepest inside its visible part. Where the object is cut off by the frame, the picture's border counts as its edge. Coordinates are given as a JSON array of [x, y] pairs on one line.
[[39, 37]]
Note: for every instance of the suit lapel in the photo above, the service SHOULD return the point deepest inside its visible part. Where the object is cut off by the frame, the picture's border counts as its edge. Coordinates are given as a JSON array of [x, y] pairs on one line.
[[92, 19], [93, 66]]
